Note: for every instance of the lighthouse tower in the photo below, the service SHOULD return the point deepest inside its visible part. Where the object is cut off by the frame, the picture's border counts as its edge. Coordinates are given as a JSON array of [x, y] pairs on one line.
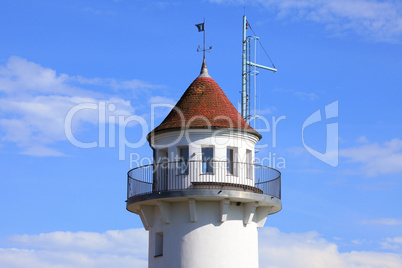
[[204, 197]]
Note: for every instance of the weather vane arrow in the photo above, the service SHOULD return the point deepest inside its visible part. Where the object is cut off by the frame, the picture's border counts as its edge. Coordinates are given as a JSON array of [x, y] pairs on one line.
[[201, 28]]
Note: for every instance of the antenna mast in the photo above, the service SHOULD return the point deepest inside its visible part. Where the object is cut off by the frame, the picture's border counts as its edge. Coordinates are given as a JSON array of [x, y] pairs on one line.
[[247, 72]]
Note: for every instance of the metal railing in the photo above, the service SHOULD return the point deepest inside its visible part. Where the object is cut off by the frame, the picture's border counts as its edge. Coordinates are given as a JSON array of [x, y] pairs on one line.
[[182, 175]]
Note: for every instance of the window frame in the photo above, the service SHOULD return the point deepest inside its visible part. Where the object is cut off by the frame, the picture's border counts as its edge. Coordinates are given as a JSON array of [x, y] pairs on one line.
[[249, 164], [231, 168], [207, 164], [158, 244], [183, 164]]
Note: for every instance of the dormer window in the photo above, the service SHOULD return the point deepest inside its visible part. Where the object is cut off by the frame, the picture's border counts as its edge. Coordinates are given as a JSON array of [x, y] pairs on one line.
[[207, 159]]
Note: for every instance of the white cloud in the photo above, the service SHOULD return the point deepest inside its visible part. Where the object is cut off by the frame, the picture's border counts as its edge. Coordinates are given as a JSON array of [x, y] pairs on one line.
[[394, 243], [369, 159], [35, 101], [161, 106], [376, 159], [134, 84], [300, 250], [97, 12], [300, 94], [375, 20], [128, 248], [362, 139], [267, 111], [21, 76], [41, 151], [114, 241], [162, 100], [383, 221]]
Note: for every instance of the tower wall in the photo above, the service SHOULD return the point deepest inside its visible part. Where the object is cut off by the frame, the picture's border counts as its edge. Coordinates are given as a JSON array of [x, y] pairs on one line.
[[196, 138], [204, 197], [196, 237], [220, 141]]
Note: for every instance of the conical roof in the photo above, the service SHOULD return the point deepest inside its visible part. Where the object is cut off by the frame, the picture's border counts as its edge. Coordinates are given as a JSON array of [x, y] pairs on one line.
[[204, 105]]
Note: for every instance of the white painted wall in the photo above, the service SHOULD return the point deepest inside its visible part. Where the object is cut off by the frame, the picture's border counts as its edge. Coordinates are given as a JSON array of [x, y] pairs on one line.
[[200, 233], [207, 242], [196, 138], [220, 140]]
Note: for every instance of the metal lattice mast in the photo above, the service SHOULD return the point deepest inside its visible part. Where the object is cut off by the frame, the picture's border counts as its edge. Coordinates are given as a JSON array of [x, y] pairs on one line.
[[244, 72], [247, 72]]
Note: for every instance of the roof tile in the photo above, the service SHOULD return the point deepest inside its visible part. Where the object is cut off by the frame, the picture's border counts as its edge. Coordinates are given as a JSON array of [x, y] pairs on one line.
[[204, 105]]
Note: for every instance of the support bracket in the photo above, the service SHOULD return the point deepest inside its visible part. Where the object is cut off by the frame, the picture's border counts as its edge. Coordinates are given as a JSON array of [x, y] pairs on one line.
[[249, 210], [224, 207], [147, 216], [164, 208]]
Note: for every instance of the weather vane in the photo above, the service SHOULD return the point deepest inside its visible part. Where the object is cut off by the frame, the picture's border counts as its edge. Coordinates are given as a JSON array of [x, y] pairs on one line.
[[201, 28]]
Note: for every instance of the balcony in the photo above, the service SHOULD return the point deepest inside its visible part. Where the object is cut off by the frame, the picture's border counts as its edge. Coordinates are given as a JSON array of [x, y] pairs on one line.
[[192, 175]]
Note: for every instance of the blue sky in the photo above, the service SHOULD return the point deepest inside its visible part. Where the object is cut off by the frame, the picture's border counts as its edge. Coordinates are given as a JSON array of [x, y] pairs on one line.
[[58, 200]]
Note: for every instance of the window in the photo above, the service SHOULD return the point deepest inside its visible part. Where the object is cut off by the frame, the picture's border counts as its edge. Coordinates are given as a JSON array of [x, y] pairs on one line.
[[207, 160], [249, 163], [230, 164], [183, 160], [158, 244]]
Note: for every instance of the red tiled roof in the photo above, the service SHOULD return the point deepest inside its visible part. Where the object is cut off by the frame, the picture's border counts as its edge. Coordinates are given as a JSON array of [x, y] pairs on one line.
[[204, 105]]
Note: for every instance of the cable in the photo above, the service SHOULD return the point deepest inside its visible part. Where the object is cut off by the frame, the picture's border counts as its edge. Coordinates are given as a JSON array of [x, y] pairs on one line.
[[261, 45]]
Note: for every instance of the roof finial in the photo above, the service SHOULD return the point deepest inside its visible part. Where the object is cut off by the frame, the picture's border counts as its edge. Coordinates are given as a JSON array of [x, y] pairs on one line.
[[204, 70]]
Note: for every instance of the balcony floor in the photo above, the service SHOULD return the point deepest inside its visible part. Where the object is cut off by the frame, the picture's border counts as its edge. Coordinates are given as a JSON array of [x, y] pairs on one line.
[[210, 194]]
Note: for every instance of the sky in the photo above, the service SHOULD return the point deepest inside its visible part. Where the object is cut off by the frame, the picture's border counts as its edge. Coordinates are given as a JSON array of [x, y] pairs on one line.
[[83, 82]]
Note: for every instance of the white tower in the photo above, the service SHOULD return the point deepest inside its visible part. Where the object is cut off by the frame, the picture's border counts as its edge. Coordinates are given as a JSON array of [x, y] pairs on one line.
[[203, 198]]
